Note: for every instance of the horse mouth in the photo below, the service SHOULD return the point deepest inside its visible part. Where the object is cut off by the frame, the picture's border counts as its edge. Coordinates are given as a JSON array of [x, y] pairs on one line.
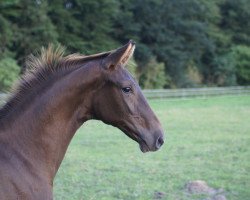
[[136, 137], [144, 147]]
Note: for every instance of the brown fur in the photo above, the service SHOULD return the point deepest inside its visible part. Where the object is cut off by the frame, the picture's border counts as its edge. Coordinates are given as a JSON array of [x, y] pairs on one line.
[[40, 68], [52, 100]]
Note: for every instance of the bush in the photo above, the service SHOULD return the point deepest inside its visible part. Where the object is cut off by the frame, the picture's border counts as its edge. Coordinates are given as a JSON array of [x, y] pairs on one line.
[[154, 77], [226, 71], [194, 76], [9, 72], [242, 61]]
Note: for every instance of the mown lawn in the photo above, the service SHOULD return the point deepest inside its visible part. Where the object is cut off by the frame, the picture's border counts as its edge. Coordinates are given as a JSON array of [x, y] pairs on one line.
[[206, 139]]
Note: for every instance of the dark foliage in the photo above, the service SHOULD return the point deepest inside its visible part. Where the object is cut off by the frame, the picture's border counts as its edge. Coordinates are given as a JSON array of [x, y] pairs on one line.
[[211, 35]]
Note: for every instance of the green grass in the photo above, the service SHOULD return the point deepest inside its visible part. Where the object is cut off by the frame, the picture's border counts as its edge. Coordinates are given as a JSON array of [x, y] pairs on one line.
[[206, 139]]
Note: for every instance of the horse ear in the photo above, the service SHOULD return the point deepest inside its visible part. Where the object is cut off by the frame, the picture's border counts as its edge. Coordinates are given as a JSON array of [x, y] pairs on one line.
[[119, 57]]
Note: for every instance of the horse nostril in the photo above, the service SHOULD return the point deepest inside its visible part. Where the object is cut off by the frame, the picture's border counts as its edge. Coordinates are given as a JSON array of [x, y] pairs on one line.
[[159, 142]]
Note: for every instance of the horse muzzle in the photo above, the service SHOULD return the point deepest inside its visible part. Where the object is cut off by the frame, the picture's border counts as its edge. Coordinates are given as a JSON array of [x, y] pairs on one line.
[[153, 143]]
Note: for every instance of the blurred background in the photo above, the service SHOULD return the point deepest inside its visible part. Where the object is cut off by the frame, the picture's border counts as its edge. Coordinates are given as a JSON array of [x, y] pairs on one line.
[[189, 47], [183, 43]]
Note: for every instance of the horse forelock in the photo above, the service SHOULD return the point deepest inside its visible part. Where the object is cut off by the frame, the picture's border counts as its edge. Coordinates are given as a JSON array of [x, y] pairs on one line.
[[40, 68]]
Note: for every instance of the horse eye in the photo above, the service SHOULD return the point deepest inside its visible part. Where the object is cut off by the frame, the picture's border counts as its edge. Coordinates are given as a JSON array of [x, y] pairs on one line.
[[127, 90]]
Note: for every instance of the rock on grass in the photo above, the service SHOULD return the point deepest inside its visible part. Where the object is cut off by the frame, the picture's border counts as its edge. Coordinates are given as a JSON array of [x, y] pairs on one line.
[[201, 187]]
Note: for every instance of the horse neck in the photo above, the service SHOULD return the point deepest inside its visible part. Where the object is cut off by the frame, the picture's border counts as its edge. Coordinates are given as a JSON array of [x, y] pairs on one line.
[[44, 131]]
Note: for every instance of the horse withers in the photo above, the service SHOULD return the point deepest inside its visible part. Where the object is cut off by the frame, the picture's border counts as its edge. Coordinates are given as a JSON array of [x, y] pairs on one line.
[[52, 100]]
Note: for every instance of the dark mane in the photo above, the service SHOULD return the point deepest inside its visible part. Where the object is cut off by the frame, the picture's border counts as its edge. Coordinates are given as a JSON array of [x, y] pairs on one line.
[[40, 69]]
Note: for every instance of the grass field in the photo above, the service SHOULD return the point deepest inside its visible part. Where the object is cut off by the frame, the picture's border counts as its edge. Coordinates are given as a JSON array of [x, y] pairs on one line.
[[206, 139]]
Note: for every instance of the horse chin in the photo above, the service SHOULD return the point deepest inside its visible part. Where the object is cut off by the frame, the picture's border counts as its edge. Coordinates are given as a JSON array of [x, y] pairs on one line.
[[143, 148], [142, 144]]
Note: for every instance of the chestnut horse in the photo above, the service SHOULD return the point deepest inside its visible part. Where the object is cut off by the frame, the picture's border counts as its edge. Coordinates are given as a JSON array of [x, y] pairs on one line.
[[52, 100]]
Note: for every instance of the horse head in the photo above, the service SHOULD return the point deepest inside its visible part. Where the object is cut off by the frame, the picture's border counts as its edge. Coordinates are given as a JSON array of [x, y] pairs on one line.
[[120, 102]]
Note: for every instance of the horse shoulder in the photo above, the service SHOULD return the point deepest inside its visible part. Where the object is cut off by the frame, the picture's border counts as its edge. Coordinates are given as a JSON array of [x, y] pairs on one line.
[[17, 181]]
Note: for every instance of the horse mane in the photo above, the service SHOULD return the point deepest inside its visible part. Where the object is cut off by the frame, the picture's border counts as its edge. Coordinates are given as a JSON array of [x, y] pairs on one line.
[[40, 68]]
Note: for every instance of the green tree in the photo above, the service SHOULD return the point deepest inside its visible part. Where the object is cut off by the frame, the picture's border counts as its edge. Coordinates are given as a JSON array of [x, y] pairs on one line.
[[197, 40], [84, 25], [62, 14], [125, 26], [225, 74], [9, 72], [5, 36], [242, 61], [235, 21], [33, 28], [7, 12], [173, 31]]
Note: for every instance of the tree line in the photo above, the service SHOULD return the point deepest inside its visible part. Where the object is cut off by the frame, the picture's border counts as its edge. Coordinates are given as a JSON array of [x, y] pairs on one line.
[[180, 43]]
